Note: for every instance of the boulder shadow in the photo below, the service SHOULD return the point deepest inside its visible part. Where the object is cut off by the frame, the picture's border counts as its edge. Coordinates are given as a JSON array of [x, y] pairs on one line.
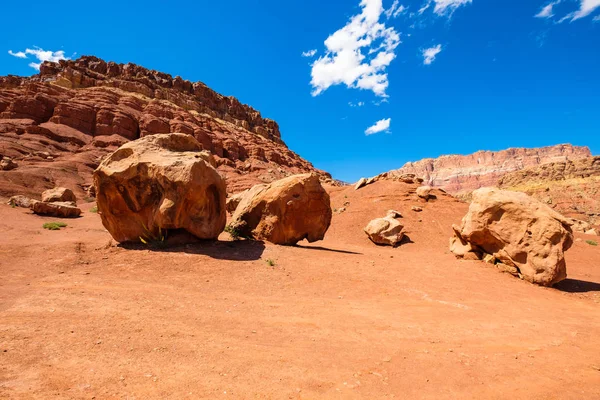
[[239, 250], [577, 286], [321, 248]]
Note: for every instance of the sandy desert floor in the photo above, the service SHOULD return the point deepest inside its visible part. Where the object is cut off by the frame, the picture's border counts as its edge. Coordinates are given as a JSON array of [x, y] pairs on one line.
[[83, 318]]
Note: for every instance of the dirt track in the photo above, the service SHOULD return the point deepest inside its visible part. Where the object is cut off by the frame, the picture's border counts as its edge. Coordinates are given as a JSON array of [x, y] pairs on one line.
[[342, 318]]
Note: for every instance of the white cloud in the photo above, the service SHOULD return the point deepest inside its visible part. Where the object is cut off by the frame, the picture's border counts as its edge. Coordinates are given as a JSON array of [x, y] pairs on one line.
[[345, 61], [395, 10], [596, 18], [41, 54], [547, 10], [310, 53], [380, 126], [430, 54], [424, 8]]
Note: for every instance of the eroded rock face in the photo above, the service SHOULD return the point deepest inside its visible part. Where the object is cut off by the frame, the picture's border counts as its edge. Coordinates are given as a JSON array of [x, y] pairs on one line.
[[60, 194], [458, 173], [517, 231], [234, 200], [160, 181], [385, 231], [55, 209], [286, 211]]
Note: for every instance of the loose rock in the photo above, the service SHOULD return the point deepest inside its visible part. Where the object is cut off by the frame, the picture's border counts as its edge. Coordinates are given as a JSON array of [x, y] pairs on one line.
[[59, 194], [55, 209]]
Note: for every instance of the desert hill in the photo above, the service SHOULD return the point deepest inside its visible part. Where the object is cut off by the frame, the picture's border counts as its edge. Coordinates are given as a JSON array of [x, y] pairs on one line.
[[57, 125], [340, 318]]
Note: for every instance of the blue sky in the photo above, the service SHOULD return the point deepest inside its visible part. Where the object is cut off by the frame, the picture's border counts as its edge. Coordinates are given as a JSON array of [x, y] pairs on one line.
[[457, 77]]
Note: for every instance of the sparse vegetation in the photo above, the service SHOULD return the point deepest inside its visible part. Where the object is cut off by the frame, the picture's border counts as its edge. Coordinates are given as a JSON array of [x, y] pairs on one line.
[[270, 262], [233, 232], [54, 226], [89, 199], [592, 242], [151, 239], [94, 209]]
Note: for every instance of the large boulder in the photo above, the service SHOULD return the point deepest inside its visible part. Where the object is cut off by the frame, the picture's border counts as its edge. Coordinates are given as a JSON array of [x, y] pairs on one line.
[[285, 212], [160, 183], [60, 194], [55, 209], [19, 201], [385, 231], [518, 231]]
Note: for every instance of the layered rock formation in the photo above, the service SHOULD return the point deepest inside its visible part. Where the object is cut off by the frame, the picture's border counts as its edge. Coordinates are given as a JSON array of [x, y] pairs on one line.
[[571, 187], [57, 125], [457, 173]]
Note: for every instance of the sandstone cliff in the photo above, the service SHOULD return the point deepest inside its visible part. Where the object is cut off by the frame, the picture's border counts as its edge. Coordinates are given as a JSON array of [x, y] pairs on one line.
[[463, 173], [58, 125]]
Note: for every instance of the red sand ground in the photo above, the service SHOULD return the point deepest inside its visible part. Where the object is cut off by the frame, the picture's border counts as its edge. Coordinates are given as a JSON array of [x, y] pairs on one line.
[[342, 318]]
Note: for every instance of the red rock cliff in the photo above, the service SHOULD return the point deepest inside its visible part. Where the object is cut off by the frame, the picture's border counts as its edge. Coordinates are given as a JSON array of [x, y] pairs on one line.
[[57, 125], [458, 173]]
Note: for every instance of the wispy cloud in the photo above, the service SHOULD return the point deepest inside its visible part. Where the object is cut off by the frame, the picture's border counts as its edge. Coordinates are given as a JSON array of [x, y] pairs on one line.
[[358, 104], [18, 54], [596, 18], [585, 8], [358, 54], [41, 55], [395, 10], [430, 54], [548, 10], [444, 7], [310, 53], [382, 125]]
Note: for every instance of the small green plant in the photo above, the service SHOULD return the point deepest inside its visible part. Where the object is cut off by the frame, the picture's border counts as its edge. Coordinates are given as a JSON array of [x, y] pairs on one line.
[[270, 262], [233, 232], [592, 242], [13, 204], [151, 239], [54, 226], [94, 209]]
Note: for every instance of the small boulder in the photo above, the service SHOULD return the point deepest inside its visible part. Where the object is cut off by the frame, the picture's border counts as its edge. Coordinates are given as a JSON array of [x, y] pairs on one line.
[[160, 183], [394, 214], [385, 231], [7, 164], [424, 192], [416, 208], [361, 182], [285, 211], [592, 231], [19, 201], [55, 209], [59, 194], [517, 231]]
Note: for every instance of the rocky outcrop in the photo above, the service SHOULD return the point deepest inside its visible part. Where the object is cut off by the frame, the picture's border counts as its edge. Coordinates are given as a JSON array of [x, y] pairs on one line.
[[458, 173], [285, 212], [570, 187], [158, 184], [517, 232], [385, 231], [58, 125]]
